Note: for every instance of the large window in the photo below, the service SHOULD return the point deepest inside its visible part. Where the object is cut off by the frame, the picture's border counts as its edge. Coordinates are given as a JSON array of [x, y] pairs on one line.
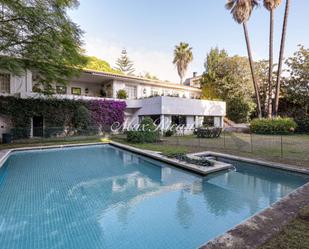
[[179, 120], [76, 91], [208, 121], [131, 91], [4, 83]]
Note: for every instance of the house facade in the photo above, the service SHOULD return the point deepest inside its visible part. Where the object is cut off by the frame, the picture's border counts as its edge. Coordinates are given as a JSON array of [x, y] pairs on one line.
[[162, 101]]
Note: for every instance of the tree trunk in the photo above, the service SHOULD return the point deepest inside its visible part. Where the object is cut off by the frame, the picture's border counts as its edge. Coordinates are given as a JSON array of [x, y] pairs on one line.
[[255, 84], [270, 68], [284, 27]]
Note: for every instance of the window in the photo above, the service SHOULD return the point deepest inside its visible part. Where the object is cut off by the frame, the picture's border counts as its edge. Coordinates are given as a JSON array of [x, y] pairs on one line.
[[76, 90], [131, 91], [155, 92], [208, 121], [5, 83], [179, 120], [61, 89]]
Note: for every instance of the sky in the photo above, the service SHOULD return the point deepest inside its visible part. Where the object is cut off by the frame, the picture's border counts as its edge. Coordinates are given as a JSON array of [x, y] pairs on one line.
[[149, 30]]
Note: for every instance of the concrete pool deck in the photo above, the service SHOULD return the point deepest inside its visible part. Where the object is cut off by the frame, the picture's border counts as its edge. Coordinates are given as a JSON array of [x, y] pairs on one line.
[[251, 233]]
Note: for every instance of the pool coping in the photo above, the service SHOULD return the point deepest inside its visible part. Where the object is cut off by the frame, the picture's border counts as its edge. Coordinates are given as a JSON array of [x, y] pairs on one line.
[[201, 170], [254, 161]]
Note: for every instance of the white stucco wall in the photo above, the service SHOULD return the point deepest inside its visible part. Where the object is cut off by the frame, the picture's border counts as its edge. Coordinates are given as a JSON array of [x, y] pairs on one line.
[[20, 83]]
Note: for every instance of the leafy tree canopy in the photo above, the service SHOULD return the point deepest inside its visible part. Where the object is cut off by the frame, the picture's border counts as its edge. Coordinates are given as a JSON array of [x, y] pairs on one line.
[[228, 78], [150, 77], [99, 65], [124, 64], [296, 85], [39, 35]]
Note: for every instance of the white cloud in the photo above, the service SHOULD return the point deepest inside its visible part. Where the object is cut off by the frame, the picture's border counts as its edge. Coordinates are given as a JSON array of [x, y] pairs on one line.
[[157, 63]]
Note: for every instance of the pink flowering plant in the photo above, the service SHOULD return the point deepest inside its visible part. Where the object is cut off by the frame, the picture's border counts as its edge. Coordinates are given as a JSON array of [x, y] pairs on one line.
[[105, 113]]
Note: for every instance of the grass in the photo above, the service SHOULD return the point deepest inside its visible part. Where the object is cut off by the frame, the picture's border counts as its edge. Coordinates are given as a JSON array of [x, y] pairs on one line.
[[295, 235], [163, 148], [290, 149]]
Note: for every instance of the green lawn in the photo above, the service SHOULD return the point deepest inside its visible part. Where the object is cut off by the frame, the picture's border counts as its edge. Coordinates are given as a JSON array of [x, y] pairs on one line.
[[290, 149], [295, 235]]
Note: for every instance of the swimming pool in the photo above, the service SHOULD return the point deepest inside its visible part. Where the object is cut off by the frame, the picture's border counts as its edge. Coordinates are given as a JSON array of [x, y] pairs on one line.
[[105, 197]]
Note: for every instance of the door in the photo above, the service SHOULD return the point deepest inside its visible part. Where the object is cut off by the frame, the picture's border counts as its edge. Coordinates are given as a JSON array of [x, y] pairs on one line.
[[37, 126]]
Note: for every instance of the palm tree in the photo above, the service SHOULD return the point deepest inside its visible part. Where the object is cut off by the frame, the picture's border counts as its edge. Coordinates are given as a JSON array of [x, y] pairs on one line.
[[182, 57], [241, 11], [284, 27], [270, 5]]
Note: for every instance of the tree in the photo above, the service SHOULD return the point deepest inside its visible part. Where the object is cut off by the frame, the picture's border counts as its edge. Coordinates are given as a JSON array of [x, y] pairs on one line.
[[38, 35], [296, 85], [281, 53], [95, 63], [270, 5], [228, 78], [241, 11], [124, 64], [262, 72], [150, 77], [182, 57]]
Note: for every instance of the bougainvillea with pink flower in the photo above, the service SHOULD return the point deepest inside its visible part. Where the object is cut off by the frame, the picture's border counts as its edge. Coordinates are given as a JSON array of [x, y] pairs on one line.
[[104, 112]]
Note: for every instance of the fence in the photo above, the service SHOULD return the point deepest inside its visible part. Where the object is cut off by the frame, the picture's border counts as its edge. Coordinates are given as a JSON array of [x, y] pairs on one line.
[[294, 147]]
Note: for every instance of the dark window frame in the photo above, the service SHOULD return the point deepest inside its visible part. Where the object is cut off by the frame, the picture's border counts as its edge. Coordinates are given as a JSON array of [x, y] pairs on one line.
[[76, 88], [6, 87], [179, 120]]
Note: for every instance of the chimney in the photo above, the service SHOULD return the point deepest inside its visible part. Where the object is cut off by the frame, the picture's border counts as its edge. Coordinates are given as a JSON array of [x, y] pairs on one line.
[[194, 74]]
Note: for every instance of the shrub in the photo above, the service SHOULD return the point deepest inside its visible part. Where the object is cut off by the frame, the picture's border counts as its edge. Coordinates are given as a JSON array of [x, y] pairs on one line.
[[146, 133], [239, 110], [302, 124], [213, 132], [122, 94], [170, 132], [273, 126]]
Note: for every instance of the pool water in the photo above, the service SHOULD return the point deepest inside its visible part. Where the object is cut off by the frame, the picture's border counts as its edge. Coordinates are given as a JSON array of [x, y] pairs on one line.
[[104, 197]]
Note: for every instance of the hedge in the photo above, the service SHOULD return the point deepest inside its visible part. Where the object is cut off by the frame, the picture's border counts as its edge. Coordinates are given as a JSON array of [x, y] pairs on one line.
[[147, 132], [273, 126], [302, 124]]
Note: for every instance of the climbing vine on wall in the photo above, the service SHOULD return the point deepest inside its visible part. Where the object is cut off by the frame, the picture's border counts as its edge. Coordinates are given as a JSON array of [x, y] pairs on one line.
[[61, 114]]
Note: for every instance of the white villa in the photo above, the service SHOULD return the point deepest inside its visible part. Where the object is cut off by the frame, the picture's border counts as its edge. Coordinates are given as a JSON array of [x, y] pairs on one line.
[[164, 101]]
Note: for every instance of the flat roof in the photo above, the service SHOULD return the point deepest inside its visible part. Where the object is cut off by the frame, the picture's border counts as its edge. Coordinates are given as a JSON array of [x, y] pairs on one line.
[[140, 80]]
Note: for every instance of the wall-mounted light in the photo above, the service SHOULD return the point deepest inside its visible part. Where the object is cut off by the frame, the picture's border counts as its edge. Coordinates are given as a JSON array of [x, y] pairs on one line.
[[86, 90], [144, 91]]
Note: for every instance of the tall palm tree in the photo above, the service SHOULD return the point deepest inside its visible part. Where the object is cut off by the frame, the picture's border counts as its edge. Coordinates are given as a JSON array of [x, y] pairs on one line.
[[284, 27], [270, 5], [241, 11], [182, 57]]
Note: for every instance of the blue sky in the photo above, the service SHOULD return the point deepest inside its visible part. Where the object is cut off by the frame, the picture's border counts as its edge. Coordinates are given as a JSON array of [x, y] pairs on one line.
[[149, 31]]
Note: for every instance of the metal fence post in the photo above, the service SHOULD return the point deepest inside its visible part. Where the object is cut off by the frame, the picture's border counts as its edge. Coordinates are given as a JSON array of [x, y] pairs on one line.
[[281, 147], [251, 142]]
